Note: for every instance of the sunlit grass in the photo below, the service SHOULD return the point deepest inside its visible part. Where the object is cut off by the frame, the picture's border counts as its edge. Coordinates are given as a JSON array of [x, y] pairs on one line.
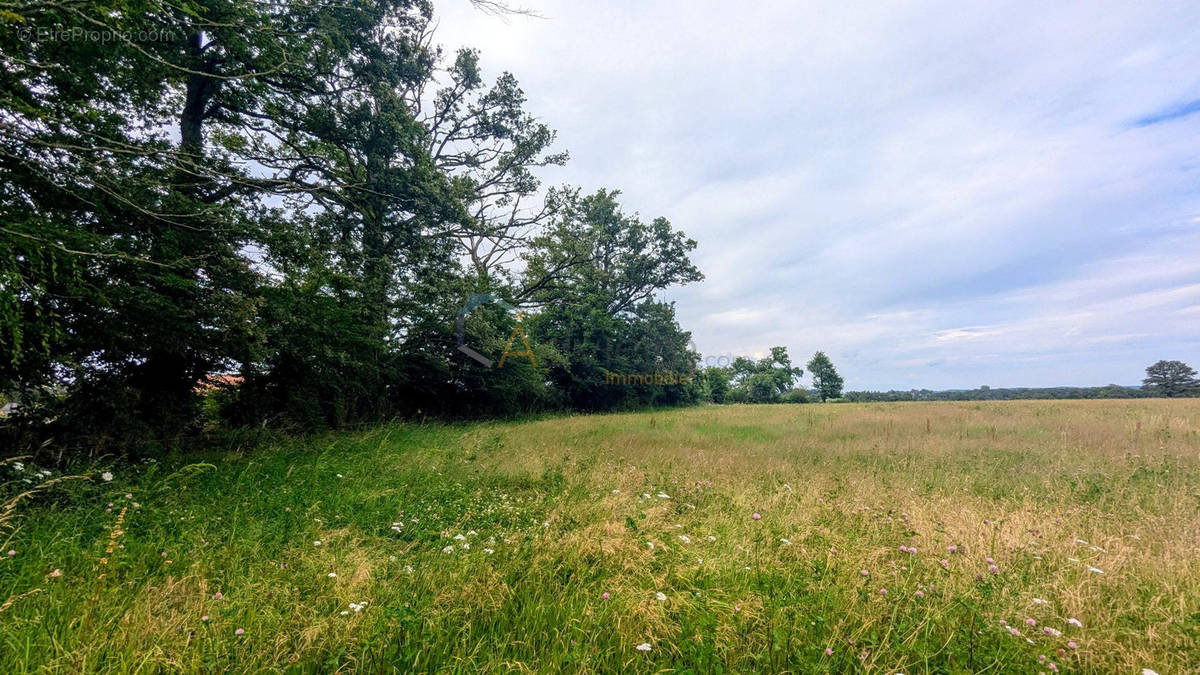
[[491, 546]]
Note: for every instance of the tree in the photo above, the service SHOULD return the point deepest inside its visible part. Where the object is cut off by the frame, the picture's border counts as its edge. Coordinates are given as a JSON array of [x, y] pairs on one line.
[[764, 380], [1171, 379], [825, 378]]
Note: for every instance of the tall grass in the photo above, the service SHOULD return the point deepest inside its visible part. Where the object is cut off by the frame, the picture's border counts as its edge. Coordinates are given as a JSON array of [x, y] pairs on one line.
[[491, 546]]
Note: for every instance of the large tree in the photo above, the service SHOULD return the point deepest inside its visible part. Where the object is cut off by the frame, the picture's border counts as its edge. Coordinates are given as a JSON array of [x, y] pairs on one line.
[[1171, 378], [825, 377]]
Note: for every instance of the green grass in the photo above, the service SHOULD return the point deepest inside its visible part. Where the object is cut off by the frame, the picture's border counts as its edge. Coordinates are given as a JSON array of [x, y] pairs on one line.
[[560, 504]]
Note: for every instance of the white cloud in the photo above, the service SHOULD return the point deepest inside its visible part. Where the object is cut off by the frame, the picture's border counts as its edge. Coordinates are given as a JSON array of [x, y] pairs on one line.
[[936, 195]]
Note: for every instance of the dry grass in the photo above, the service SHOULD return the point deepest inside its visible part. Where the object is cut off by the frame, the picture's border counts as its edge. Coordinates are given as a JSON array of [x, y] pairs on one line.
[[569, 509]]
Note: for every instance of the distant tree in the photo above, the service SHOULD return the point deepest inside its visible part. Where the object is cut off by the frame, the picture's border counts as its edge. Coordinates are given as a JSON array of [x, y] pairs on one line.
[[796, 396], [764, 380], [1171, 379], [716, 383], [825, 377]]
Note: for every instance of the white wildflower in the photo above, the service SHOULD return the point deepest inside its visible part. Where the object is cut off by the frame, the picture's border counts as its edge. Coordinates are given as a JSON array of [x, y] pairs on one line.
[[662, 597], [685, 539], [1097, 570], [448, 549], [663, 495], [645, 647], [106, 476], [786, 542], [711, 538], [1039, 601], [488, 551], [332, 575]]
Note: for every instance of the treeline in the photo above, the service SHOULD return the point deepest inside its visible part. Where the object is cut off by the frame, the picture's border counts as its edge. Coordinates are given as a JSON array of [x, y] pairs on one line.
[[1000, 394], [302, 197]]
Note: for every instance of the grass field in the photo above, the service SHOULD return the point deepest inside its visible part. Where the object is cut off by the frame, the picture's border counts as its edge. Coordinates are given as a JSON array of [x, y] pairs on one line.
[[628, 543]]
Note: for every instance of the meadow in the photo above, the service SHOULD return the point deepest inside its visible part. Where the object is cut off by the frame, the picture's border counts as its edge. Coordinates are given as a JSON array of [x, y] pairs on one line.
[[1031, 536]]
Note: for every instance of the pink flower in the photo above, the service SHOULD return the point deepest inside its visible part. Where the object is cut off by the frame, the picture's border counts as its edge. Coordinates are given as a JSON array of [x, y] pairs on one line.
[[912, 550], [864, 573], [993, 569], [1072, 644], [919, 594], [1014, 631], [945, 563], [1053, 666], [883, 591], [1074, 622], [903, 548], [829, 651], [204, 618], [756, 516], [952, 548], [605, 595], [833, 549], [1030, 622], [11, 552], [1003, 622], [239, 631], [990, 561], [218, 595]]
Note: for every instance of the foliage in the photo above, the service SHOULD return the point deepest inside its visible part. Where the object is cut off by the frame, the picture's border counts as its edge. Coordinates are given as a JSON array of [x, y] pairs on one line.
[[1171, 378], [826, 380]]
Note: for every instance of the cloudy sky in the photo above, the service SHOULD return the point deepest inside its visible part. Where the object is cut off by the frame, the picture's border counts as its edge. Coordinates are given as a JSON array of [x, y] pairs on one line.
[[937, 195]]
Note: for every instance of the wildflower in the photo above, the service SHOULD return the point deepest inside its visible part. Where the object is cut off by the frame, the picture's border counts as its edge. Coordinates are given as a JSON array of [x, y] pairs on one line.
[[204, 618], [1071, 644], [239, 631], [1096, 570], [106, 476], [56, 573], [471, 533], [19, 466], [317, 542], [1052, 632], [833, 549], [650, 545], [662, 597], [616, 492], [864, 573], [919, 594], [1075, 622], [11, 552], [1039, 601], [345, 613], [945, 563], [488, 551], [459, 537], [1003, 623], [448, 549], [952, 548], [711, 538], [990, 561], [912, 550], [1147, 671], [218, 595], [644, 647], [883, 591], [332, 575], [340, 476], [128, 496], [1053, 666], [1014, 631], [663, 495], [605, 595], [685, 539], [903, 548], [756, 516], [829, 651], [1030, 622], [993, 569], [786, 542]]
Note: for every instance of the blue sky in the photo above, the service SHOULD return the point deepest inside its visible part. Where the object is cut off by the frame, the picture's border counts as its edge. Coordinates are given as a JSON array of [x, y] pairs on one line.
[[938, 195]]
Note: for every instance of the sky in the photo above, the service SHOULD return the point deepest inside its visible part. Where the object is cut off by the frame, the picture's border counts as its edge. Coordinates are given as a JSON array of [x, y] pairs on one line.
[[937, 195]]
